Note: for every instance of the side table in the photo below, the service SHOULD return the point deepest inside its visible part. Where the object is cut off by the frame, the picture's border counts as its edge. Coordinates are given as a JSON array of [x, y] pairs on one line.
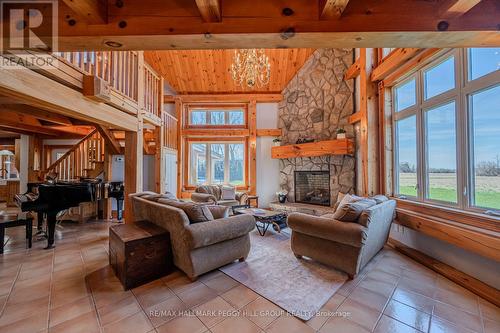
[[255, 198]]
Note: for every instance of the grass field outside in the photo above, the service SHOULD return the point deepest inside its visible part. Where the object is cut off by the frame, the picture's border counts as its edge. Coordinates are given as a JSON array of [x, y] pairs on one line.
[[443, 187]]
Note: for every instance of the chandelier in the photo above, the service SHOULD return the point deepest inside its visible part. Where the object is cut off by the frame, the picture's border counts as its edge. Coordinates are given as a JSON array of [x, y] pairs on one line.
[[250, 67]]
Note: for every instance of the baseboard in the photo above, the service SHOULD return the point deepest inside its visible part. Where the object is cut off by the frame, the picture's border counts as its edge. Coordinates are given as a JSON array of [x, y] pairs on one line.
[[487, 292]]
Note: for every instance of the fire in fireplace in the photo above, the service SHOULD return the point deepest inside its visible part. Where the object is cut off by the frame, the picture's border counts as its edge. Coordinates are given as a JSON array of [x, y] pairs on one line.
[[312, 187]]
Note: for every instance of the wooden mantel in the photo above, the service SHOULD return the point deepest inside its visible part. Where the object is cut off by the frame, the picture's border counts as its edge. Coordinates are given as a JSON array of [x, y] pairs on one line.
[[320, 148]]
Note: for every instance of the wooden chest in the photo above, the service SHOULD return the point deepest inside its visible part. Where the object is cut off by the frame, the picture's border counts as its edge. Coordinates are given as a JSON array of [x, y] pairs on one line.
[[139, 252]]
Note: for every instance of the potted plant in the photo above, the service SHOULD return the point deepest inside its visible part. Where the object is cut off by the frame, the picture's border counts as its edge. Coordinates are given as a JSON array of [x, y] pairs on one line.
[[282, 195], [341, 133], [277, 141]]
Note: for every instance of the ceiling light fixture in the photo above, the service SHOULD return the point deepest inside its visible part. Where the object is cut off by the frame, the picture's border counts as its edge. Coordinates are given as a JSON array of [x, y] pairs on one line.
[[251, 67]]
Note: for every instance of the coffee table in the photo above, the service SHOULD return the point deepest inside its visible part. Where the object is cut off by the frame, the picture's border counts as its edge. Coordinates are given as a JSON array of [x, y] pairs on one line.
[[8, 220], [265, 218]]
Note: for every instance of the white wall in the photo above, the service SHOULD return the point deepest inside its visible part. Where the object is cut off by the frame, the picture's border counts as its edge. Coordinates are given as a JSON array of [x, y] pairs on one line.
[[484, 269], [268, 172]]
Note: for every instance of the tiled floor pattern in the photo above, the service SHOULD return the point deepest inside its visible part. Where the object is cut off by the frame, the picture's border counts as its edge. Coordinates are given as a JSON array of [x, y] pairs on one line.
[[72, 289]]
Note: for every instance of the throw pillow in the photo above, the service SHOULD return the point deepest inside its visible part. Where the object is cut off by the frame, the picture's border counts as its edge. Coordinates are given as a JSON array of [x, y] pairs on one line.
[[379, 198], [228, 193], [196, 213], [351, 211]]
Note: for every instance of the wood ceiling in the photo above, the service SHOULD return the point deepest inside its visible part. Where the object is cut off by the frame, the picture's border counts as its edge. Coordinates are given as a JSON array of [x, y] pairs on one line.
[[212, 24], [207, 71]]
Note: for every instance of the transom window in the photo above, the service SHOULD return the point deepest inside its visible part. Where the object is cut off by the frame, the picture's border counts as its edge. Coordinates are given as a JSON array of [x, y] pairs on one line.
[[214, 162], [217, 116], [447, 131]]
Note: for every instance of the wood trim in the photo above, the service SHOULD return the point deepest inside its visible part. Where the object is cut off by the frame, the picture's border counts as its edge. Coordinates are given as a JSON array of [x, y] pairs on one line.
[[178, 114], [472, 219], [483, 242], [477, 287], [353, 70], [252, 149], [320, 148], [410, 66], [392, 62], [356, 117], [234, 98], [269, 132], [208, 132]]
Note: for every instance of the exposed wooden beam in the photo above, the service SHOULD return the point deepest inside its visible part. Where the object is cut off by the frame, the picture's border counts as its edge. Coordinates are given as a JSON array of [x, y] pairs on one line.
[[92, 11], [109, 138], [332, 9], [38, 113], [457, 8], [269, 132], [174, 25], [393, 61], [76, 130], [25, 84], [356, 117], [210, 10], [477, 287], [353, 70]]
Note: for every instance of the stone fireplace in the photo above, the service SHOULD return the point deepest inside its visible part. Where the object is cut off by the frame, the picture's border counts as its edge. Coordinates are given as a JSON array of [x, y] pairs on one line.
[[312, 187], [317, 102]]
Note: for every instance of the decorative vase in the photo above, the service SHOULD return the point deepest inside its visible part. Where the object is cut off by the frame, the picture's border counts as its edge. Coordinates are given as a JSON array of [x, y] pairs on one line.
[[282, 198], [341, 136], [277, 143]]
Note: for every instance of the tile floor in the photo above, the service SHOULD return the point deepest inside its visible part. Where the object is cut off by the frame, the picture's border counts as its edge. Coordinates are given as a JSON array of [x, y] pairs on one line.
[[72, 289]]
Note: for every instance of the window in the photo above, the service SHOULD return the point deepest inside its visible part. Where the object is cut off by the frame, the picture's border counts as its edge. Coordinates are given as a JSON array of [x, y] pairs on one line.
[[216, 163], [485, 147], [447, 131], [217, 117], [405, 95]]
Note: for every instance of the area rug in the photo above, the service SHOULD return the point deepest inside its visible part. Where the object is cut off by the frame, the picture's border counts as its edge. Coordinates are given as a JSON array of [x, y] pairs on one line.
[[299, 286]]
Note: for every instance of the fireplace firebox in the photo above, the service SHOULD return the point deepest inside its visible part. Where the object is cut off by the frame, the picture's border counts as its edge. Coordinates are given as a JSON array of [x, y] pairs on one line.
[[312, 187]]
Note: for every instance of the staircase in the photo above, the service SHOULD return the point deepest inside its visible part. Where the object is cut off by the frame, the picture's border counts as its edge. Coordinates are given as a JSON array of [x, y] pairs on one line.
[[85, 159]]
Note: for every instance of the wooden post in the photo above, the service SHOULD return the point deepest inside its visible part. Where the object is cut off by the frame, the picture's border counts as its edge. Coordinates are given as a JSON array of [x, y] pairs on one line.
[[159, 174], [133, 168], [252, 142], [107, 176], [180, 152]]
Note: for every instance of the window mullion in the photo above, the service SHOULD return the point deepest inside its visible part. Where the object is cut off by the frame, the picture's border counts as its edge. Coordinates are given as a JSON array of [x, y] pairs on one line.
[[226, 163], [461, 128], [209, 163], [421, 139]]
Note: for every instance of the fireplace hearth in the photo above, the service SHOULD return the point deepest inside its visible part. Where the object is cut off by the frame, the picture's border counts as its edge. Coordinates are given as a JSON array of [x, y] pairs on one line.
[[312, 187]]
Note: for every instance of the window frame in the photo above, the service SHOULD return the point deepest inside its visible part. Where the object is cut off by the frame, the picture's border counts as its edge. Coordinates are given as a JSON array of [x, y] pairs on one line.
[[214, 140], [216, 107], [464, 88]]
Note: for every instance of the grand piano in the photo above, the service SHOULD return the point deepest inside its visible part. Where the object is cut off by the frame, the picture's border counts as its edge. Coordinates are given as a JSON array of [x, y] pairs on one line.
[[50, 198]]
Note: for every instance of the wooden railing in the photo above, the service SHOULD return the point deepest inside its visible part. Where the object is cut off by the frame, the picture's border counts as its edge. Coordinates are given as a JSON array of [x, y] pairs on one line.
[[118, 68], [169, 130], [153, 91], [83, 158]]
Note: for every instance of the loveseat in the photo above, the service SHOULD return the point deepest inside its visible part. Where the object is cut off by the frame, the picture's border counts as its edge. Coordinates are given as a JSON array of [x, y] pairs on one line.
[[347, 246], [213, 194], [198, 247]]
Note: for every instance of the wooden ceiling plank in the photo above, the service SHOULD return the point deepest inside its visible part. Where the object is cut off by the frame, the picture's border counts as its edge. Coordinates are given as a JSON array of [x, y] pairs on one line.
[[210, 10], [457, 8], [332, 9], [92, 11]]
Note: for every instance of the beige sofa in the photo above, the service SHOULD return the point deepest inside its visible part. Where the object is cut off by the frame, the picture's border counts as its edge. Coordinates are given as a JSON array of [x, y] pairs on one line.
[[347, 246], [198, 247], [213, 194]]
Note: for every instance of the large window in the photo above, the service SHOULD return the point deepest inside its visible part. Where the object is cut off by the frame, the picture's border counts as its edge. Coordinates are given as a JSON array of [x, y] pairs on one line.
[[216, 163], [217, 117], [447, 131]]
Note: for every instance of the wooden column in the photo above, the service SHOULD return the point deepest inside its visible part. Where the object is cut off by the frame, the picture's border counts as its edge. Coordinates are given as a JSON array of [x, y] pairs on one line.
[[252, 142], [159, 174], [180, 150], [133, 167], [107, 176], [17, 153]]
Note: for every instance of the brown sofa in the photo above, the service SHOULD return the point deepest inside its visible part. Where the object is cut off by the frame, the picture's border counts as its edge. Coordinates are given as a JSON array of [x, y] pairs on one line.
[[198, 247], [347, 246], [213, 194]]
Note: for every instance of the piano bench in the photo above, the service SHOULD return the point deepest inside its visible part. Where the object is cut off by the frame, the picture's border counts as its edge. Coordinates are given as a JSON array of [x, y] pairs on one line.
[[139, 253], [15, 220]]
